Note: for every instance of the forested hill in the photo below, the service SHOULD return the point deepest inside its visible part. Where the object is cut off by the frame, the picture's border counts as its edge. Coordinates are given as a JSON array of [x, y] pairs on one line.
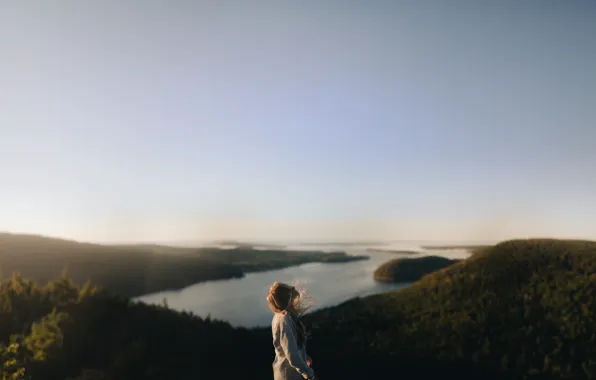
[[134, 270], [63, 332], [521, 309]]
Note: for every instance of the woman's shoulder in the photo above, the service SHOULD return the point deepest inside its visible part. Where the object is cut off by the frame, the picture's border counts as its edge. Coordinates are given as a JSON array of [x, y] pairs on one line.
[[282, 318]]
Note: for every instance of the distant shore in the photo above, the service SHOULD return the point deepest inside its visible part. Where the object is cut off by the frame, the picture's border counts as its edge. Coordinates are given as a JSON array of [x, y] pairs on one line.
[[342, 244], [136, 270], [396, 251], [250, 245], [470, 247]]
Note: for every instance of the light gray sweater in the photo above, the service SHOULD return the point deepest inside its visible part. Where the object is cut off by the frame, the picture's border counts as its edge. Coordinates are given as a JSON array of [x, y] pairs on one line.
[[290, 361]]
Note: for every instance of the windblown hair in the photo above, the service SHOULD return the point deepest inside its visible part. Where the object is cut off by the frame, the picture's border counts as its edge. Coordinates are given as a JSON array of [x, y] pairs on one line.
[[288, 299]]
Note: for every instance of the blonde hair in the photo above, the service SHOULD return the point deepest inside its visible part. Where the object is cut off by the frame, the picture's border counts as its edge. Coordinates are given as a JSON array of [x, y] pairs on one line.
[[282, 298]]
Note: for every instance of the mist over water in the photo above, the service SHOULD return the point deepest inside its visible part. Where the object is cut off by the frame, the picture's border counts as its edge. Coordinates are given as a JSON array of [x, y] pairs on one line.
[[242, 301]]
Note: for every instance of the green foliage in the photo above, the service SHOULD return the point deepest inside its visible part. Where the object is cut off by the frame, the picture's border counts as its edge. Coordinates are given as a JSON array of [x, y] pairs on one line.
[[523, 308], [46, 337], [63, 331], [12, 357]]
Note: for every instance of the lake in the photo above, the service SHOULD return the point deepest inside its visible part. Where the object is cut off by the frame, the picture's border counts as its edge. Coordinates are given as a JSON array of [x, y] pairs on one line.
[[242, 301]]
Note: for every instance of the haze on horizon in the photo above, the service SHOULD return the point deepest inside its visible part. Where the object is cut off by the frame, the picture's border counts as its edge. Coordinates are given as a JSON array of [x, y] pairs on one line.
[[332, 120]]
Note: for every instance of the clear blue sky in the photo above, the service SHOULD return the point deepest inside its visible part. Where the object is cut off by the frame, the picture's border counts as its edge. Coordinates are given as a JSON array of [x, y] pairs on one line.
[[181, 120]]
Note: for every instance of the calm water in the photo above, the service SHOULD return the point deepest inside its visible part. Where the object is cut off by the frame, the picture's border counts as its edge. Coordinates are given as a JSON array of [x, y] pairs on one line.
[[242, 301]]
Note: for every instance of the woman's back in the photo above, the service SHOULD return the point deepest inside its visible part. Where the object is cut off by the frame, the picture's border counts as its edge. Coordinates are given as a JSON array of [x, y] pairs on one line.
[[289, 334], [290, 360]]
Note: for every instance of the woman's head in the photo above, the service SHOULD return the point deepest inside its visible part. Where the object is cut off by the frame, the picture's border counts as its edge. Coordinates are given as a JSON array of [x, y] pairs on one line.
[[283, 297]]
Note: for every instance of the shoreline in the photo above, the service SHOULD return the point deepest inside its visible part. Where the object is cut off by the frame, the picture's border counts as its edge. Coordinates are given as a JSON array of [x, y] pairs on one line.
[[140, 269]]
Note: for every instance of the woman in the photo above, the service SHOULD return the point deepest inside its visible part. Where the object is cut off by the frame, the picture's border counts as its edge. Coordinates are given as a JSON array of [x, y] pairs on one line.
[[289, 333]]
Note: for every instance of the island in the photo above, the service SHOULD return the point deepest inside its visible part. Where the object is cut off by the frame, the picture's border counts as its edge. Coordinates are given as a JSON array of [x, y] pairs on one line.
[[242, 244], [397, 252], [410, 269], [135, 270]]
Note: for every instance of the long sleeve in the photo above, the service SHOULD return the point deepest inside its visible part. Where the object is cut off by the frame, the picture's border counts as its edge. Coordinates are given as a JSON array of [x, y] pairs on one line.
[[287, 340]]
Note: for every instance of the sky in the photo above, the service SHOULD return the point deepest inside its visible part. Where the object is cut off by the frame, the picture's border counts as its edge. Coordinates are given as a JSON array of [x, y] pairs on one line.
[[312, 120]]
